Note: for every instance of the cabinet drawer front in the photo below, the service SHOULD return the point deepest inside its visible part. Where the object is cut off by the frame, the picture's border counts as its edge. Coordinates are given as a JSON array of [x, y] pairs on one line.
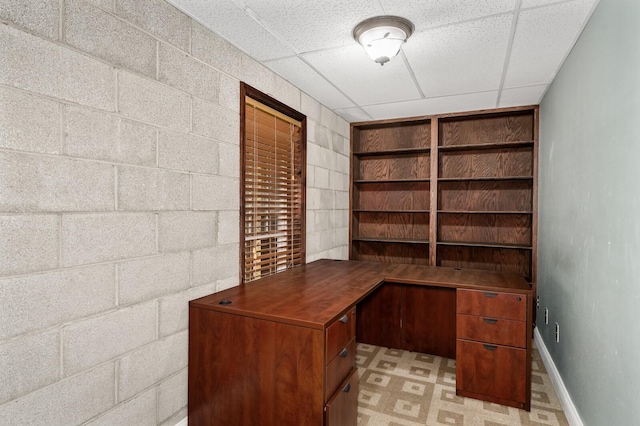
[[492, 304], [492, 330], [340, 333], [339, 368], [492, 370], [342, 408]]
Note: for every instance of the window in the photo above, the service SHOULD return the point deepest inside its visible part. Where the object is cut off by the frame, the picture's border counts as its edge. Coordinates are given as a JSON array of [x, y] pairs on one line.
[[272, 211]]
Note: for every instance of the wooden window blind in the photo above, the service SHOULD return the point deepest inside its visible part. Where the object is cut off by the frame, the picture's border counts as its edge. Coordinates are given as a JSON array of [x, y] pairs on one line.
[[273, 183]]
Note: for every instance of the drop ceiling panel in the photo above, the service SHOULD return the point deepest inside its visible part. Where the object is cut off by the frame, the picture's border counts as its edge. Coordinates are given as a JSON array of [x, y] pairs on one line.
[[543, 38], [430, 106], [361, 79], [531, 95], [313, 25], [461, 58], [298, 73], [236, 26], [425, 14]]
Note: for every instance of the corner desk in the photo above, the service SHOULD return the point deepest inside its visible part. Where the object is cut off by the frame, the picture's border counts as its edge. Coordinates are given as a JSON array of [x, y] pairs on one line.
[[281, 350]]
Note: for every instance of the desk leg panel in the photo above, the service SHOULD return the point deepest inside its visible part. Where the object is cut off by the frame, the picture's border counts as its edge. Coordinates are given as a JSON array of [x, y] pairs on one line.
[[247, 371]]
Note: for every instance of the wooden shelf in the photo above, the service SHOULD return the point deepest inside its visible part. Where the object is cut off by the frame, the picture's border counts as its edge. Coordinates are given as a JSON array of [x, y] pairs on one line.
[[483, 212], [395, 151], [365, 181], [484, 245], [390, 240], [388, 211], [485, 178], [475, 147]]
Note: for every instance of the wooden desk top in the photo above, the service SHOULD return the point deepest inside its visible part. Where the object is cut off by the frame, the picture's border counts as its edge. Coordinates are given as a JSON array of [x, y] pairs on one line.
[[315, 294]]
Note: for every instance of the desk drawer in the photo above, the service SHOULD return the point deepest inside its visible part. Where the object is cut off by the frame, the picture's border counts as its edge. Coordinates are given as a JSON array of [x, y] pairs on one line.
[[339, 367], [491, 370], [492, 330], [342, 408], [339, 334], [492, 304]]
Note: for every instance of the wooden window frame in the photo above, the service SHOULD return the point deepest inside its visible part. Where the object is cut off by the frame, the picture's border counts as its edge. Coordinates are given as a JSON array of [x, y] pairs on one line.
[[247, 91]]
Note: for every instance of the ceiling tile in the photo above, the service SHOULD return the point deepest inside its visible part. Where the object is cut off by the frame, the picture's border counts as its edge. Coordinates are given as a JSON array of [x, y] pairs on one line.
[[461, 58], [225, 18], [425, 14], [543, 38], [361, 79], [314, 25], [441, 105], [535, 3], [298, 73], [531, 95], [353, 115]]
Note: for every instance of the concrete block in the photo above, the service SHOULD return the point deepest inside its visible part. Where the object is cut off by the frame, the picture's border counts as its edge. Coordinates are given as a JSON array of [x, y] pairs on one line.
[[341, 218], [319, 199], [92, 134], [216, 122], [341, 236], [229, 157], [36, 184], [152, 364], [174, 309], [309, 107], [323, 136], [88, 238], [181, 231], [321, 178], [189, 153], [70, 294], [340, 144], [342, 163], [338, 181], [287, 93], [229, 96], [101, 34], [68, 402], [214, 50], [228, 227], [343, 127], [215, 193], [29, 123], [39, 17], [257, 75], [159, 18], [151, 189], [145, 279], [99, 339], [310, 221], [153, 102], [216, 263], [138, 411], [28, 244], [36, 65], [323, 220], [29, 363], [172, 395], [311, 130], [311, 175], [180, 70], [105, 4], [178, 419], [227, 283], [342, 200], [320, 156], [328, 118]]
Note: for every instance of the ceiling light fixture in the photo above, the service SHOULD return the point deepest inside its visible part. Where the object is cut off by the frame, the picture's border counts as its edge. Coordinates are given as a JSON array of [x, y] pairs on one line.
[[382, 36]]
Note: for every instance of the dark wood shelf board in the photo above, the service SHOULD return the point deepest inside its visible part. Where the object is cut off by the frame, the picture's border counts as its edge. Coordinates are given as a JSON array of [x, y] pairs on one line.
[[490, 178], [389, 211], [390, 180], [484, 212], [484, 245], [476, 147], [396, 151], [390, 240]]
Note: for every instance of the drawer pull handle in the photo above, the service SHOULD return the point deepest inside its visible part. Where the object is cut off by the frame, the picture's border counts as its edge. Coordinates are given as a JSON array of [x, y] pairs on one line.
[[490, 347], [347, 388], [344, 353], [490, 320], [492, 295], [518, 299], [344, 319]]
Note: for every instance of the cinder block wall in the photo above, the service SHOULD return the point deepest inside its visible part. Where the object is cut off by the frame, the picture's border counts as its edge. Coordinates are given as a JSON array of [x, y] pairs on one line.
[[119, 201]]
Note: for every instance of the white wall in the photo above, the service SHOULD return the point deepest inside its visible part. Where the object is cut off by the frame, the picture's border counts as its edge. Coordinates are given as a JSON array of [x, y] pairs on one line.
[[119, 202], [589, 211]]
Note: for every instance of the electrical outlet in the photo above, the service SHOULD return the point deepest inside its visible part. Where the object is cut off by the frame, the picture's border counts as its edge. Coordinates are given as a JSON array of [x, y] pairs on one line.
[[537, 302], [557, 332], [546, 315]]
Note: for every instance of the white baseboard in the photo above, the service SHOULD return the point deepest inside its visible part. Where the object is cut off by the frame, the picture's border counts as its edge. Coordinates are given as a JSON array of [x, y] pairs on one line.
[[183, 422], [565, 399]]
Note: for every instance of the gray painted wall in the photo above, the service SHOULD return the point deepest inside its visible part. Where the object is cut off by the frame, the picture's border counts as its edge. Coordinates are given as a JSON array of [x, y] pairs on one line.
[[589, 217]]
